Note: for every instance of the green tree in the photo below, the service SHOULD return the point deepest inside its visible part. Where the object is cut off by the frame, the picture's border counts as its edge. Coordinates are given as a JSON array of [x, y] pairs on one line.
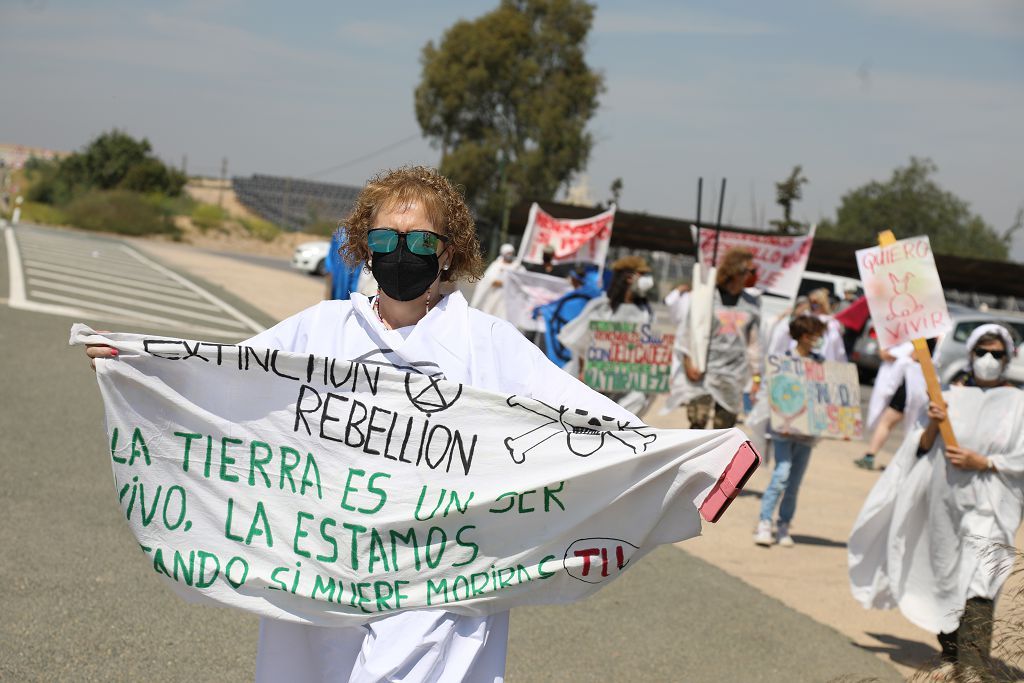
[[113, 160], [507, 98], [787, 193], [912, 203]]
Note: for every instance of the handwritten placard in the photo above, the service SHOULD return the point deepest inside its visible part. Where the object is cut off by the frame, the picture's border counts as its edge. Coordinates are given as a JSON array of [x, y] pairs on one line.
[[628, 357], [331, 492], [903, 290], [809, 398]]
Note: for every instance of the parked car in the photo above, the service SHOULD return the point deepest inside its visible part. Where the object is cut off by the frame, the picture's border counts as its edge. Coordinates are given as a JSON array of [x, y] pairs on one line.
[[951, 353], [311, 257]]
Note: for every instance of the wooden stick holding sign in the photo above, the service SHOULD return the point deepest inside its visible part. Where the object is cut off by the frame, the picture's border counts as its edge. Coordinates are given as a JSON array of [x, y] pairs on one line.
[[907, 304]]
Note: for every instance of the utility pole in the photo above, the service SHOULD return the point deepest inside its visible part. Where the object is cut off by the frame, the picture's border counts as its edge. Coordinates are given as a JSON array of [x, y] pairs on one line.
[[223, 181], [505, 209]]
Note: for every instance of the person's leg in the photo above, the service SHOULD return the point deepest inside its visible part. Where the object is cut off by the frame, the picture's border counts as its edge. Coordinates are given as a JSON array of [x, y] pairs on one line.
[[698, 411], [889, 419], [800, 456], [780, 477], [975, 637], [723, 418], [947, 643]]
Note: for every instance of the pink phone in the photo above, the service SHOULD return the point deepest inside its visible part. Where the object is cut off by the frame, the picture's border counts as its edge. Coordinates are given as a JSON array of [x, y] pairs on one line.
[[729, 485]]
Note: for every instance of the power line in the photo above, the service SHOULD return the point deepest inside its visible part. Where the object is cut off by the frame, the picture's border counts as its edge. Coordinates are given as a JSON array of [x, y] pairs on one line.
[[364, 157]]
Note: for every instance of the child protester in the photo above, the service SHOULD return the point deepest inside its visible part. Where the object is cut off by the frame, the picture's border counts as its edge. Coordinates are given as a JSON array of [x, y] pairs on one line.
[[792, 452]]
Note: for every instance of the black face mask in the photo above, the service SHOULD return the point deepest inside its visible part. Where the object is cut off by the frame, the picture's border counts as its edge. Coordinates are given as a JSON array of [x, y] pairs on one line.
[[403, 275]]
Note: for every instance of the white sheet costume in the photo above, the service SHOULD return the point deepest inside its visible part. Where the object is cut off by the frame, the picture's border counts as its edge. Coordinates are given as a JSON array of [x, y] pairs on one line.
[[576, 337], [734, 355], [926, 538], [490, 298], [465, 346]]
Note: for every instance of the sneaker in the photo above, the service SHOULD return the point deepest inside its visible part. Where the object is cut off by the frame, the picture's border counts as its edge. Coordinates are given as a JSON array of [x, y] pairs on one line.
[[782, 535], [867, 462], [763, 535]]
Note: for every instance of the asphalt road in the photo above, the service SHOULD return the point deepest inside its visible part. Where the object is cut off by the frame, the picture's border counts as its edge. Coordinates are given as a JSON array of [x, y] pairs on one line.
[[81, 603]]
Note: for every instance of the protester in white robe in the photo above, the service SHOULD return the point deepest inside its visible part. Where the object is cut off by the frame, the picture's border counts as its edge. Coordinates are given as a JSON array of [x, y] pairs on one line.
[[900, 396], [715, 396], [625, 301], [678, 302], [489, 295], [935, 536], [413, 229], [887, 380]]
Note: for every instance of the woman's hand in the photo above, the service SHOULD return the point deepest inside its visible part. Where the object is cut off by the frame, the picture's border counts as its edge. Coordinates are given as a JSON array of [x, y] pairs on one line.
[[692, 373], [966, 459], [94, 351], [936, 412]]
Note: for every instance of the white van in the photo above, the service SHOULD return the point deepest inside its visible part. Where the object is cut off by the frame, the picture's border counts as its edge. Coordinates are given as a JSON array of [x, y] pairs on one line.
[[773, 306]]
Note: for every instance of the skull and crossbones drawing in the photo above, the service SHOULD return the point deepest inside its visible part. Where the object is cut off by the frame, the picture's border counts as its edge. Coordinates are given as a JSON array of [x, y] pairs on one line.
[[585, 434]]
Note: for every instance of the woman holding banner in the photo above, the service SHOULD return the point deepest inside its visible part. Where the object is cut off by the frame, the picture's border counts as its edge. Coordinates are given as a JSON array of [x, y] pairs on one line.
[[935, 536], [734, 351], [625, 301], [415, 233]]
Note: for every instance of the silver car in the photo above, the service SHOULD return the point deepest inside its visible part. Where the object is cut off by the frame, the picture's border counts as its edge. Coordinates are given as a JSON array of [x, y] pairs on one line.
[[951, 353]]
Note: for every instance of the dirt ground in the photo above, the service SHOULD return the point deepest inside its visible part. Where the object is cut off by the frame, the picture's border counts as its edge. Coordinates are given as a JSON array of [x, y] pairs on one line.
[[811, 577]]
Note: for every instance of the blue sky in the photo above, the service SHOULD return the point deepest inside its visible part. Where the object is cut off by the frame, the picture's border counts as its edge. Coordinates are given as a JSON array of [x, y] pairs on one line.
[[850, 89]]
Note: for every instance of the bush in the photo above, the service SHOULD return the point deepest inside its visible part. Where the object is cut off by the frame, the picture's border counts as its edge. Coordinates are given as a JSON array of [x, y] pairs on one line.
[[119, 211], [261, 229], [206, 216], [36, 212]]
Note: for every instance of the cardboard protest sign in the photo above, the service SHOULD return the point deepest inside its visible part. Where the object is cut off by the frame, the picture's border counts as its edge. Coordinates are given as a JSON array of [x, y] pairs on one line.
[[525, 290], [814, 399], [330, 492], [583, 240], [628, 357], [780, 259], [903, 290]]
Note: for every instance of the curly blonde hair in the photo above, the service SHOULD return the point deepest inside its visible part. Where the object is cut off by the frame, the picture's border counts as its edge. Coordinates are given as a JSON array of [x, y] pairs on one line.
[[444, 204]]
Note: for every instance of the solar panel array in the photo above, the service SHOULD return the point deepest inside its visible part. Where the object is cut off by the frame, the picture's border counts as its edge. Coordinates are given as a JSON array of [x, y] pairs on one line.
[[293, 203]]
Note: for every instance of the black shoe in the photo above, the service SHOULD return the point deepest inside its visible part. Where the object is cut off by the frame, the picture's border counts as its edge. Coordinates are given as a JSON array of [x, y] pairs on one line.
[[867, 462]]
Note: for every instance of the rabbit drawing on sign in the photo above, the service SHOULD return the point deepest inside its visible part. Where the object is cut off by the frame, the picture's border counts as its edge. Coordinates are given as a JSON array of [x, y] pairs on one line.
[[903, 303]]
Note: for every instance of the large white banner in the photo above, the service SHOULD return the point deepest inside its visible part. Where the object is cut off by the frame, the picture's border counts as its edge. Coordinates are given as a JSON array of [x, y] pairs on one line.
[[903, 290], [780, 259], [525, 290], [328, 491], [582, 240]]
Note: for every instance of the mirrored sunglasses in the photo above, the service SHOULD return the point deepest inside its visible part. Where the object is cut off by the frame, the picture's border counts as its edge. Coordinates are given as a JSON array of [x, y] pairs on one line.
[[422, 242]]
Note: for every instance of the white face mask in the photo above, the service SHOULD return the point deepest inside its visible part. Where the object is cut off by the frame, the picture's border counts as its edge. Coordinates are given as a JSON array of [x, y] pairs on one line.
[[987, 368], [643, 284]]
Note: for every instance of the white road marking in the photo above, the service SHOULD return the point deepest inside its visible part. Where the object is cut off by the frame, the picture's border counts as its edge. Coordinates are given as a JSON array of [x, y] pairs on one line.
[[56, 271], [129, 301], [44, 277], [130, 315], [155, 285], [241, 317]]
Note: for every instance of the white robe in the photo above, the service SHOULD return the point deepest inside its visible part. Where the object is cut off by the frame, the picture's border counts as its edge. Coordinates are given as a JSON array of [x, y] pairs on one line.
[[465, 346], [486, 296], [930, 535]]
